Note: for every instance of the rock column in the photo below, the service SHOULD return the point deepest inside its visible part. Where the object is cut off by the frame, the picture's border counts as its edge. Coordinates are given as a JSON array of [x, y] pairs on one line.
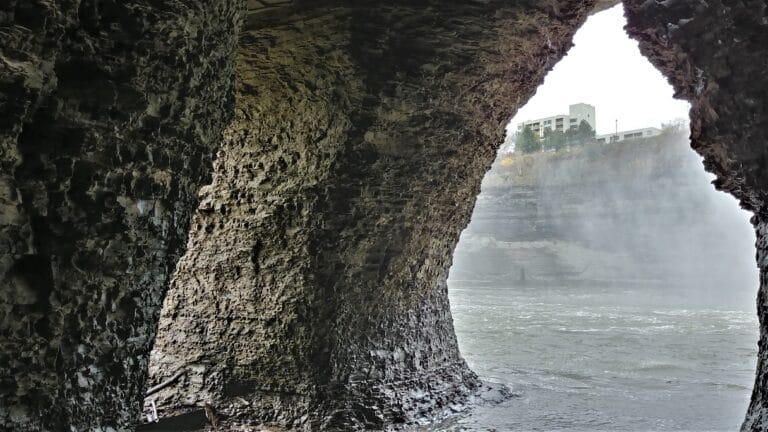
[[313, 294], [110, 112]]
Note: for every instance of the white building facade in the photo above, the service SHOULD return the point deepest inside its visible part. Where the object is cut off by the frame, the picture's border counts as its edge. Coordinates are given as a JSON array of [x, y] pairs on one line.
[[628, 135], [576, 114]]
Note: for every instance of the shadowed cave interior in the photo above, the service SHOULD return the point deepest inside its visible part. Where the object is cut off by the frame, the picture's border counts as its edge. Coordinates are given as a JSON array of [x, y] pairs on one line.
[[311, 257]]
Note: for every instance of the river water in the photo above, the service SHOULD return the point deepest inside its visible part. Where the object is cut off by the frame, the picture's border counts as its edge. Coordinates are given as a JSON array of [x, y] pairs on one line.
[[606, 358]]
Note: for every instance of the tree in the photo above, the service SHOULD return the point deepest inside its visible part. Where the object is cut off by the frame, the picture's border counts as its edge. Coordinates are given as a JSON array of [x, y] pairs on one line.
[[545, 138], [586, 133], [554, 139], [678, 127], [527, 141], [580, 135]]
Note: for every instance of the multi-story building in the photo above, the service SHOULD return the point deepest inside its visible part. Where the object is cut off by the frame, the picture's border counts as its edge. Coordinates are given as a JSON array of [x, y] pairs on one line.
[[627, 135], [576, 114], [584, 112]]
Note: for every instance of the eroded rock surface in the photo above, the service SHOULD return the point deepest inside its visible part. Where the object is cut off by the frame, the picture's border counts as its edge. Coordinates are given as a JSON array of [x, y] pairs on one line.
[[714, 55], [313, 293], [109, 115]]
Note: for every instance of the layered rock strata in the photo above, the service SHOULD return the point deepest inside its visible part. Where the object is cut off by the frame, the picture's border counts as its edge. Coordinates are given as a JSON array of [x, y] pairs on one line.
[[640, 213], [109, 115], [313, 294]]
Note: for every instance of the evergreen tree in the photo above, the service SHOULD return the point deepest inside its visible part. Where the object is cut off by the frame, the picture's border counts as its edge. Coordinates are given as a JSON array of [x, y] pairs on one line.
[[576, 136], [556, 139], [527, 141], [546, 136], [585, 132], [553, 139], [570, 136]]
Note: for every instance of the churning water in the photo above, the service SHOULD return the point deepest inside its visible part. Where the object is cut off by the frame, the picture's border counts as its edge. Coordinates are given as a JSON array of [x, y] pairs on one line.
[[653, 324], [606, 358]]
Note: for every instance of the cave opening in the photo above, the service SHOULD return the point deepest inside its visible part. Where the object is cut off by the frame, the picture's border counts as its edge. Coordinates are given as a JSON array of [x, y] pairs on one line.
[[300, 279], [602, 276]]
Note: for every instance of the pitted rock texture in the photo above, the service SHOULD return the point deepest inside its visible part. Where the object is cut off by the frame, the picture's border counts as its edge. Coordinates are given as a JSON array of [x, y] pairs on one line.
[[314, 290], [313, 293], [757, 414], [714, 54], [110, 112]]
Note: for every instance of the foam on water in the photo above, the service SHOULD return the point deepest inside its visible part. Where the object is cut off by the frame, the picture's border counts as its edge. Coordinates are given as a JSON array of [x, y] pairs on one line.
[[582, 359]]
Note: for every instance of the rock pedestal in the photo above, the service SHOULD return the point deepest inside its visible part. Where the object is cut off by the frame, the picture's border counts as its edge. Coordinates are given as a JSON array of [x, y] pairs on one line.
[[313, 293]]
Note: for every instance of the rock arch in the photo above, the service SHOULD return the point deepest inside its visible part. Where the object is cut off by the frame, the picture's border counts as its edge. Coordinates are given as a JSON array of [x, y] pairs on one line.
[[314, 280], [358, 146]]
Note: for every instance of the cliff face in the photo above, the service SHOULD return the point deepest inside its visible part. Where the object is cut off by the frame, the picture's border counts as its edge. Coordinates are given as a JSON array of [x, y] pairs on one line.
[[638, 212], [109, 114]]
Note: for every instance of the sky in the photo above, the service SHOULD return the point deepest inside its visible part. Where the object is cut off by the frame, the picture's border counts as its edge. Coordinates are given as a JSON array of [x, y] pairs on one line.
[[605, 69]]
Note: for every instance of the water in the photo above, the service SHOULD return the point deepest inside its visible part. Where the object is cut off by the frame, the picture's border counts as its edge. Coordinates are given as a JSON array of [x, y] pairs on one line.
[[606, 358]]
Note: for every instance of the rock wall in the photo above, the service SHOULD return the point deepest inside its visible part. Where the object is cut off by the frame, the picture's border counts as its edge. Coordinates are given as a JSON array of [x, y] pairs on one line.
[[109, 114], [713, 54], [313, 294], [315, 280]]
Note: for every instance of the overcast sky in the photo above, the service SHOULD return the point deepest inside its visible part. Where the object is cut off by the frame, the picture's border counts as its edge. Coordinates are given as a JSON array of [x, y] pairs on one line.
[[605, 69]]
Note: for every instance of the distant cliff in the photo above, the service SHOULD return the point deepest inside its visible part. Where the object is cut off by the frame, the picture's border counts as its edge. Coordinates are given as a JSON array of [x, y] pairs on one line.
[[640, 212]]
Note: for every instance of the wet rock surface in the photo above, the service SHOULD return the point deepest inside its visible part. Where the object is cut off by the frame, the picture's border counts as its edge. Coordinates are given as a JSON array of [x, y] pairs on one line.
[[712, 53], [314, 286], [109, 115], [313, 294]]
